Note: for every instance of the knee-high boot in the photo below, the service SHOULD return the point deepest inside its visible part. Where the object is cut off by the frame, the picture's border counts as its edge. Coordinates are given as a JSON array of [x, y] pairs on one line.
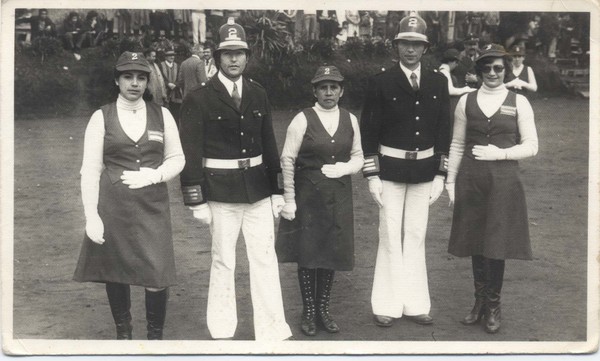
[[479, 281], [120, 303], [324, 285], [492, 300], [156, 310], [306, 277]]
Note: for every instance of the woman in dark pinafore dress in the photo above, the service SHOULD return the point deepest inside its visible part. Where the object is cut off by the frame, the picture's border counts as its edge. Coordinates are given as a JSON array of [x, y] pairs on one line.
[[493, 129], [322, 149], [131, 149]]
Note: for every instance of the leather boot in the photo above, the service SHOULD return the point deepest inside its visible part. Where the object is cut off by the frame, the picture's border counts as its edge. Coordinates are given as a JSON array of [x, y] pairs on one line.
[[479, 281], [120, 303], [306, 277], [324, 285], [156, 310], [492, 300]]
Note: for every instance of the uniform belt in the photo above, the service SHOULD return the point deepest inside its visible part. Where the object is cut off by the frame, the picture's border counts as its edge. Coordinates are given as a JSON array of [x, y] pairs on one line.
[[232, 163], [405, 154]]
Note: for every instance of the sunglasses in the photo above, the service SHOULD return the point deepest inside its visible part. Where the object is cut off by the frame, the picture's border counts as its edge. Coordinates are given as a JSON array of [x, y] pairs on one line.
[[497, 69]]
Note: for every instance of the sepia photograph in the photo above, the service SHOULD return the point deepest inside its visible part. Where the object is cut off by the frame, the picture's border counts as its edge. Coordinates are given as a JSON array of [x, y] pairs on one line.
[[341, 178]]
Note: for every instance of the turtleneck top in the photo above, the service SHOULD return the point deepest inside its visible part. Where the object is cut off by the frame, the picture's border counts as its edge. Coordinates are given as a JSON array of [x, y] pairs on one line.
[[330, 118], [132, 118], [489, 100]]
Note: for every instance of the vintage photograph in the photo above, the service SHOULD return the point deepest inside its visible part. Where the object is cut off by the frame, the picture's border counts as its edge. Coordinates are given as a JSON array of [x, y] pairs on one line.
[[335, 179]]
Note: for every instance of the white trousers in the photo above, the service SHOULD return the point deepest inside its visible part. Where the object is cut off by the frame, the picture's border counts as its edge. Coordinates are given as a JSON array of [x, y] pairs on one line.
[[256, 222], [400, 283], [198, 27]]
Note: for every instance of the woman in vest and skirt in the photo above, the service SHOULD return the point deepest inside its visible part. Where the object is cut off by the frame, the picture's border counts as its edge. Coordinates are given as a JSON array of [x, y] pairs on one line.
[[131, 148], [521, 78], [322, 149], [493, 129]]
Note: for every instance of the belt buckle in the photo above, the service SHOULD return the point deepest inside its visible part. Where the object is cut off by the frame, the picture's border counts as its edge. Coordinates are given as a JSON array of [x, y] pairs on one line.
[[244, 163], [411, 155]]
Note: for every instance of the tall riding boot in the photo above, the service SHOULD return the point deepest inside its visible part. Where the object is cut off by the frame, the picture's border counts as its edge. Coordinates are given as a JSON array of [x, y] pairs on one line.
[[306, 277], [120, 304], [479, 281], [156, 310], [492, 301], [324, 285]]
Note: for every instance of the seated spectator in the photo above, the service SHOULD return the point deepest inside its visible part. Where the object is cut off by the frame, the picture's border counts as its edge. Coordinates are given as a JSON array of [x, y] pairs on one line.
[[93, 27], [74, 33], [41, 25]]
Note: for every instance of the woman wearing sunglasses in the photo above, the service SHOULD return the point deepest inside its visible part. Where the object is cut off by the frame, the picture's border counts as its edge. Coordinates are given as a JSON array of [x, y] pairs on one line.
[[521, 78], [493, 129]]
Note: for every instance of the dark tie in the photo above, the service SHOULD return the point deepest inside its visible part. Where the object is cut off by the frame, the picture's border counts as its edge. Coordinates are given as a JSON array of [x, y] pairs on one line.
[[236, 96], [413, 81]]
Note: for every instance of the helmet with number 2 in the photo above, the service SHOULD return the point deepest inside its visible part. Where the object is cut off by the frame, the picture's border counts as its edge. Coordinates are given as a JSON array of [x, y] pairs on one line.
[[232, 37], [412, 28]]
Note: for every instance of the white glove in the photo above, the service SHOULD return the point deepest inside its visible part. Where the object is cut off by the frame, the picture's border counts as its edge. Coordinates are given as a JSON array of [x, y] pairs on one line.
[[142, 178], [488, 152], [336, 170], [202, 213], [94, 228], [376, 188], [277, 204], [437, 187], [289, 211], [450, 190]]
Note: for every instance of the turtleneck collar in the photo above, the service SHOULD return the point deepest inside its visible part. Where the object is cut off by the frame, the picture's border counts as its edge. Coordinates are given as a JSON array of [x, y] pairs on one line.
[[130, 105], [321, 109], [487, 90]]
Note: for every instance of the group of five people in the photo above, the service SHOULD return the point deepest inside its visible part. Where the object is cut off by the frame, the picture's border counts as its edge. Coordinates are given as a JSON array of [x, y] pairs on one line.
[[232, 178]]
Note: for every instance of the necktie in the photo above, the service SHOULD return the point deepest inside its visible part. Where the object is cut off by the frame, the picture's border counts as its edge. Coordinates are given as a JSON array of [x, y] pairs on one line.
[[237, 99], [413, 81]]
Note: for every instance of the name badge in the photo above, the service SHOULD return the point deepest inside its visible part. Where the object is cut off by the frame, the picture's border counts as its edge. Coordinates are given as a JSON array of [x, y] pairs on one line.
[[507, 110], [155, 135]]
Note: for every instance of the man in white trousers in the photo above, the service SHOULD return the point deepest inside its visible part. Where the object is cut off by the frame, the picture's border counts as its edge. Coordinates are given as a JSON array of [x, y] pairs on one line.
[[405, 138]]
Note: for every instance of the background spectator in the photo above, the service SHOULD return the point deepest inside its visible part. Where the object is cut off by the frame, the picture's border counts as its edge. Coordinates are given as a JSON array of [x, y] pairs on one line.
[[123, 22], [198, 26], [93, 28], [74, 34]]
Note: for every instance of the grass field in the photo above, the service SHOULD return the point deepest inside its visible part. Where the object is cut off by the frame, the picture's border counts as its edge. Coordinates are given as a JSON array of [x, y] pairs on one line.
[[543, 299]]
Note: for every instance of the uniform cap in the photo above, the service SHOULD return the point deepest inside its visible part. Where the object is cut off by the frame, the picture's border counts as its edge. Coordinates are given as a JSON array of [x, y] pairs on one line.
[[170, 52], [412, 28], [327, 72], [471, 39], [517, 50], [232, 36], [491, 50], [132, 61]]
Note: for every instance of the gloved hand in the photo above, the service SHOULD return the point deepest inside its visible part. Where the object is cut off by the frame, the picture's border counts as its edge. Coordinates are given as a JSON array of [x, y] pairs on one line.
[[94, 228], [142, 178], [336, 170], [376, 188], [202, 213], [277, 204], [488, 152], [289, 211], [437, 187], [450, 190]]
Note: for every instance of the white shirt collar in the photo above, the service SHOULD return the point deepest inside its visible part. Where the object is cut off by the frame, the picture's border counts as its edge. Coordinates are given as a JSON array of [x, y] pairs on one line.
[[229, 84], [407, 72]]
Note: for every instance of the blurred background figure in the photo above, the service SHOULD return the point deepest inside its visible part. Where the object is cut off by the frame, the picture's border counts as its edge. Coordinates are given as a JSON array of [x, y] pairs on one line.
[[520, 79]]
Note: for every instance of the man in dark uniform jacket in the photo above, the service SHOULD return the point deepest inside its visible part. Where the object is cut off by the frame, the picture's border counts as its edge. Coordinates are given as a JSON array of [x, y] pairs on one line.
[[232, 181], [465, 71], [405, 138]]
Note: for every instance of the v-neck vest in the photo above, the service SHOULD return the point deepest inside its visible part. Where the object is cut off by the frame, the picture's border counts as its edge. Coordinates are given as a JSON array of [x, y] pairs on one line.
[[501, 129], [319, 147], [123, 153]]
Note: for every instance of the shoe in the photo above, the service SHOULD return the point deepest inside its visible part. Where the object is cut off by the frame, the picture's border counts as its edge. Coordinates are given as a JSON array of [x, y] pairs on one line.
[[120, 302], [156, 310], [475, 315], [383, 321], [77, 56], [324, 284], [308, 323], [423, 319]]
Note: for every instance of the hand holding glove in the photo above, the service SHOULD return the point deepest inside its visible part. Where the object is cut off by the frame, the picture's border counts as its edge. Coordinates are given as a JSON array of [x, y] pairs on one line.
[[376, 188], [94, 228], [277, 204], [289, 211], [202, 213], [488, 152], [336, 170], [142, 178], [436, 188], [450, 190]]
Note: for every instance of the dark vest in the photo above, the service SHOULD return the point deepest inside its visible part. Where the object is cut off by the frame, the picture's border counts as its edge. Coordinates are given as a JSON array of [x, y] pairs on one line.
[[501, 129], [121, 153], [523, 76], [319, 148]]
